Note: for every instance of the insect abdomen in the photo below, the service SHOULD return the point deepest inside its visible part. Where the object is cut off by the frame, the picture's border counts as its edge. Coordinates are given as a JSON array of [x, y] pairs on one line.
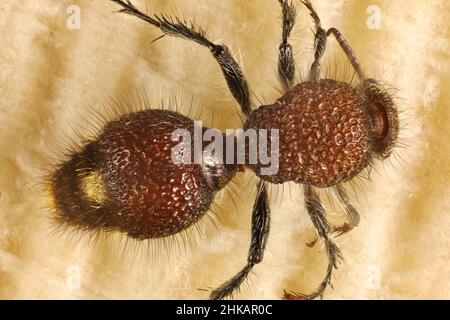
[[126, 180]]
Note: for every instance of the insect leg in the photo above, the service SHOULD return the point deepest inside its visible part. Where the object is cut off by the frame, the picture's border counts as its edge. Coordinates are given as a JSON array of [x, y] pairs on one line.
[[348, 51], [179, 28], [317, 215], [350, 209], [351, 212], [320, 42], [286, 65], [260, 233]]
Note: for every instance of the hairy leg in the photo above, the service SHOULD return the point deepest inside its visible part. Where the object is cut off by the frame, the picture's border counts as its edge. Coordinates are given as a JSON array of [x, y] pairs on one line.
[[350, 211], [286, 65], [178, 28], [348, 51], [320, 42], [318, 218], [260, 233]]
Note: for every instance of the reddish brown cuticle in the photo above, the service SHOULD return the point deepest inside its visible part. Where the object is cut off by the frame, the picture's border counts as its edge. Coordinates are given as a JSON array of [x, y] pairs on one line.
[[327, 135], [380, 121], [324, 131], [384, 118], [147, 195], [134, 177]]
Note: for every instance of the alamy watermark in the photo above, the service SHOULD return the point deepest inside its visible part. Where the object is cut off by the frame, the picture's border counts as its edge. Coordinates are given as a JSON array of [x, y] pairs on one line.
[[373, 279], [73, 21], [374, 19], [73, 280], [231, 151]]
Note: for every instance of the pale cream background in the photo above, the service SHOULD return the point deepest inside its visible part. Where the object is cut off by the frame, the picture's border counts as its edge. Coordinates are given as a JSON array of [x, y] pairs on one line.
[[50, 76]]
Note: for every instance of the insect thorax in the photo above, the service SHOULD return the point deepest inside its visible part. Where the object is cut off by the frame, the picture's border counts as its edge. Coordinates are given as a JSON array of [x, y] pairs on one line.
[[324, 133]]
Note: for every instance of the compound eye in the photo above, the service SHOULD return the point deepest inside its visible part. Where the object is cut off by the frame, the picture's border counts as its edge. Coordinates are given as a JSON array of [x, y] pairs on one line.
[[384, 118]]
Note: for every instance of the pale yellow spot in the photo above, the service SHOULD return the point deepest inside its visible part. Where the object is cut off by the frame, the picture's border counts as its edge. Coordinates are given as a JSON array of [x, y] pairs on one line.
[[94, 187]]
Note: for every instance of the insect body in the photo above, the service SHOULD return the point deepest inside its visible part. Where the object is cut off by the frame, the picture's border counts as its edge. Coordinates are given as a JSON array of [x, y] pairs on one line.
[[329, 131], [126, 179], [325, 133]]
